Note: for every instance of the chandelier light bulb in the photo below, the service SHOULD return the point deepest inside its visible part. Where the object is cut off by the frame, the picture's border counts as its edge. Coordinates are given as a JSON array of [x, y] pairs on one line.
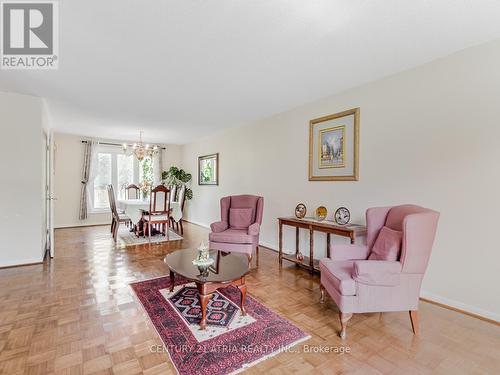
[[140, 150]]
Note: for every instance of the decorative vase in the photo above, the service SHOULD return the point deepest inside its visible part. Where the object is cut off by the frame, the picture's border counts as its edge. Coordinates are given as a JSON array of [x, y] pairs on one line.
[[203, 256]]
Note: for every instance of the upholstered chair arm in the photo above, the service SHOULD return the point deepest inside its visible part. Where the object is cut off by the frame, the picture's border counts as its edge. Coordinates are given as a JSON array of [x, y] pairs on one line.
[[377, 272], [348, 252], [219, 226], [254, 229]]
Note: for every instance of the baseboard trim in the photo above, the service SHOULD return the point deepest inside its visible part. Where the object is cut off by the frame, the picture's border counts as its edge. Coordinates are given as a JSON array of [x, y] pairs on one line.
[[203, 225], [21, 265], [68, 226], [487, 316], [267, 245]]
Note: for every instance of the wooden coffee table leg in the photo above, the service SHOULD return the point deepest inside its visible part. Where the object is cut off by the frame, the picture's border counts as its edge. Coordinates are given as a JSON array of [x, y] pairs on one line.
[[204, 298], [243, 291], [172, 281]]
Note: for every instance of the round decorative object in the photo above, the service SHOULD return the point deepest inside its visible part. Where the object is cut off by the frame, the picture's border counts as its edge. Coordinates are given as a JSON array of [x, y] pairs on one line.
[[321, 213], [342, 216], [300, 211], [300, 257], [203, 262]]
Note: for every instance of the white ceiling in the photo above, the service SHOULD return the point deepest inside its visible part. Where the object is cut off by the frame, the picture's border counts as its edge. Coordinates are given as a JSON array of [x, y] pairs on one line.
[[183, 69]]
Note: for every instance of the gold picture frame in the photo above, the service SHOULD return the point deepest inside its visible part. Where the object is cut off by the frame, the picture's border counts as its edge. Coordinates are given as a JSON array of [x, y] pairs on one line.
[[334, 147]]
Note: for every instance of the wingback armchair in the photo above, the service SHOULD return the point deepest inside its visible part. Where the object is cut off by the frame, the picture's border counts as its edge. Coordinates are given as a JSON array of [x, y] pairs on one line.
[[358, 284], [239, 227]]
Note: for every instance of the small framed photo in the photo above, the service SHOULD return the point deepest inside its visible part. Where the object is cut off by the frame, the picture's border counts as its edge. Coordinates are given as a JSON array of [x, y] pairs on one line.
[[334, 147], [208, 169]]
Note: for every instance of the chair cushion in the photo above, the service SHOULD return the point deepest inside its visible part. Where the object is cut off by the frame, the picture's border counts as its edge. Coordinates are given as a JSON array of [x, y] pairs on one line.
[[232, 236], [387, 246], [377, 272], [240, 218], [339, 273]]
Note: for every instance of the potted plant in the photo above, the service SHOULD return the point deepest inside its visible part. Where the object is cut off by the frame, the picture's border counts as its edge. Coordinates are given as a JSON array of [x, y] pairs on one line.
[[178, 177]]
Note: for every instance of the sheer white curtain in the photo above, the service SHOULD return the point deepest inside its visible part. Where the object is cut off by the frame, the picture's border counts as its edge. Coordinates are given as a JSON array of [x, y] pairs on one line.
[[157, 167]]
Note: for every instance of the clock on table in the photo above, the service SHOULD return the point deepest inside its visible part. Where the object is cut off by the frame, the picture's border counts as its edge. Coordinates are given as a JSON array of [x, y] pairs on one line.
[[342, 216], [300, 211], [321, 213]]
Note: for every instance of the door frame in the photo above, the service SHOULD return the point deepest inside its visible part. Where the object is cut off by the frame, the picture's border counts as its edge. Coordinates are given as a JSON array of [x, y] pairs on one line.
[[49, 194]]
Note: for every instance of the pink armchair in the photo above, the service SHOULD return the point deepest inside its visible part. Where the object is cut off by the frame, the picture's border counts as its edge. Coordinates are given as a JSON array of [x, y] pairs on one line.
[[239, 228], [359, 285]]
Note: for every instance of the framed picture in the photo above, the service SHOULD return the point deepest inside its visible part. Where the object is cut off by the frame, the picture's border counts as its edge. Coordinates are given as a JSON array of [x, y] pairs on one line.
[[208, 170], [334, 147]]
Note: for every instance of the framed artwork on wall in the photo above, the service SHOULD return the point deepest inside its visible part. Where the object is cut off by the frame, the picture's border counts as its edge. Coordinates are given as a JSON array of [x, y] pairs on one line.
[[208, 169], [334, 147]]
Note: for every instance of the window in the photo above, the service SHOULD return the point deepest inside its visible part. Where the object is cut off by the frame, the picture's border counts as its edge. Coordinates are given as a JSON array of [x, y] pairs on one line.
[[104, 171], [116, 168]]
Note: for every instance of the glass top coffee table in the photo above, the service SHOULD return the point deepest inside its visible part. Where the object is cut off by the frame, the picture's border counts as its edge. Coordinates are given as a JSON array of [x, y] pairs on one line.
[[227, 269]]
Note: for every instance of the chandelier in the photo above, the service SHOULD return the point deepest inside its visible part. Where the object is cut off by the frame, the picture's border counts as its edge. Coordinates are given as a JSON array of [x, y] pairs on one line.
[[140, 150]]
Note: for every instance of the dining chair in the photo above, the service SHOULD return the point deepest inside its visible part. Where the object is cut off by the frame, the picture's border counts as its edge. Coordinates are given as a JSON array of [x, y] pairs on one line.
[[117, 217], [181, 198], [159, 211], [173, 191], [132, 191], [110, 201]]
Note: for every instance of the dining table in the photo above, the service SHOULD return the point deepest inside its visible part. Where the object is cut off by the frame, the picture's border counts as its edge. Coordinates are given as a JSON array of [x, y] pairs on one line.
[[134, 209]]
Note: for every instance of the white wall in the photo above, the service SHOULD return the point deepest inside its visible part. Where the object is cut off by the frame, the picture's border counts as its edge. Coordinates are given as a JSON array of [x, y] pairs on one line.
[[171, 156], [67, 180], [68, 161], [20, 176], [429, 136]]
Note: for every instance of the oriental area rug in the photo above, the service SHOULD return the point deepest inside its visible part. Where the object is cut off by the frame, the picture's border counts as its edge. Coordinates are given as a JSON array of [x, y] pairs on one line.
[[130, 239], [230, 343]]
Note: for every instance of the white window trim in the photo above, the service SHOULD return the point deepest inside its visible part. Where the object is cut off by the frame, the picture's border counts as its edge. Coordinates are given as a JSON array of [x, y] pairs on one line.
[[114, 151]]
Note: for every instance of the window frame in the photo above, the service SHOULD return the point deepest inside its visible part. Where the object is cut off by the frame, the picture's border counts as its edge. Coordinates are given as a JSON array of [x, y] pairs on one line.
[[114, 152]]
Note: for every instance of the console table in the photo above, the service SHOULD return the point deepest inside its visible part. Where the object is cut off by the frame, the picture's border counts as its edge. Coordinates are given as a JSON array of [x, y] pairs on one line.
[[329, 227]]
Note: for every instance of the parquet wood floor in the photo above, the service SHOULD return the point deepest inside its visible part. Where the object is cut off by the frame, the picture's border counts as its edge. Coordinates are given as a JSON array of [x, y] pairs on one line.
[[77, 315]]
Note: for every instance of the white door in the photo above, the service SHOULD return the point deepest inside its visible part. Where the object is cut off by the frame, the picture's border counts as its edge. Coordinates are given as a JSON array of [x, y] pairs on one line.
[[49, 194]]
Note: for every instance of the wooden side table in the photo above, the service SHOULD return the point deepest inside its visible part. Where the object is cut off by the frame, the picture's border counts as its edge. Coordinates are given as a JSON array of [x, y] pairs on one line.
[[351, 231]]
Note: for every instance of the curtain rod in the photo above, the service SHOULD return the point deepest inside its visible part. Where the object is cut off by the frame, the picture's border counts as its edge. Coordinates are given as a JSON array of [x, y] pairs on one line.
[[118, 144]]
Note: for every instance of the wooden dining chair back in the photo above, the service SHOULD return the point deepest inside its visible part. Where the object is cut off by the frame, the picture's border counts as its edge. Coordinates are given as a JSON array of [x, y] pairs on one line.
[[132, 191], [160, 200], [112, 201], [159, 211], [117, 217], [173, 192], [181, 198]]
